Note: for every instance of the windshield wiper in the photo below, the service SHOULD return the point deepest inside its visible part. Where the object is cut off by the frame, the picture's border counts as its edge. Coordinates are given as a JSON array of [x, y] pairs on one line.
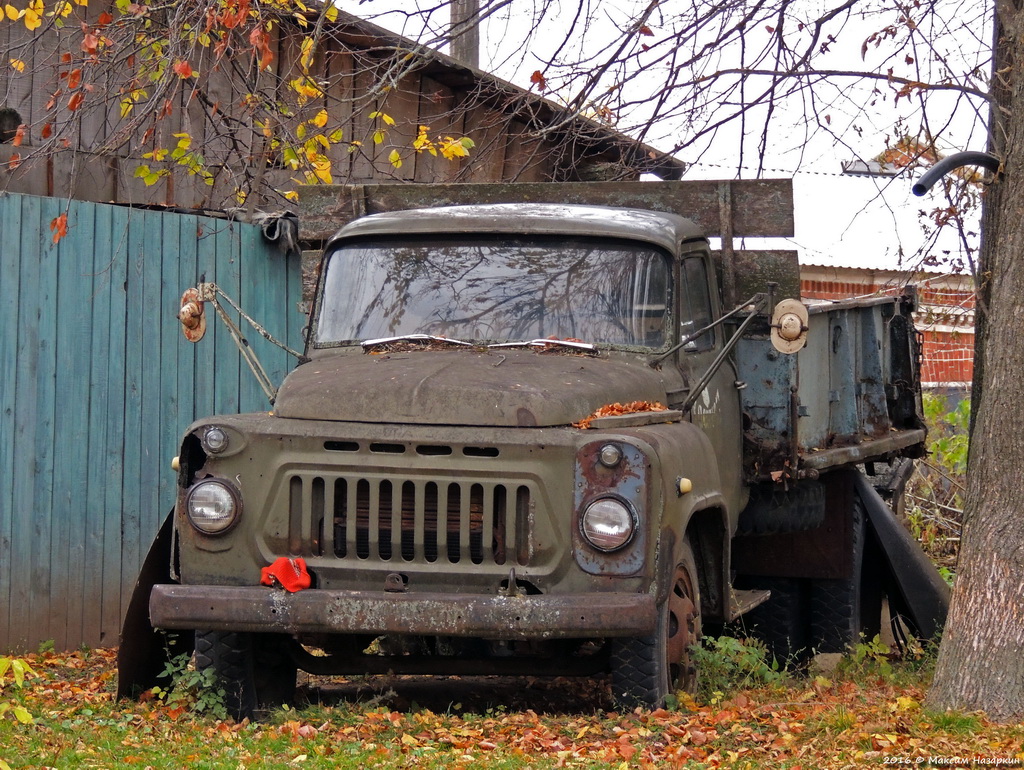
[[415, 338], [546, 343]]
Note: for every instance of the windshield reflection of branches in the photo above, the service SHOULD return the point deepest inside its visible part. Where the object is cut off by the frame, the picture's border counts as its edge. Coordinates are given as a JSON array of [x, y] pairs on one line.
[[490, 290]]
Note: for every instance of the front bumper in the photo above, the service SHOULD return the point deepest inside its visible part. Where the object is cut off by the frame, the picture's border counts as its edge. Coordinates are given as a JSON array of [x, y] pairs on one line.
[[254, 608]]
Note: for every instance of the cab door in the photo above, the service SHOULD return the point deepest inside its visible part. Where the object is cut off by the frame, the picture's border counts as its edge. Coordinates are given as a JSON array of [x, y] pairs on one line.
[[717, 408]]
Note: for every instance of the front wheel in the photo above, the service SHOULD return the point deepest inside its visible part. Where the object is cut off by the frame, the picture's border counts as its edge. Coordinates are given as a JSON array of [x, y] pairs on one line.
[[255, 670], [647, 669]]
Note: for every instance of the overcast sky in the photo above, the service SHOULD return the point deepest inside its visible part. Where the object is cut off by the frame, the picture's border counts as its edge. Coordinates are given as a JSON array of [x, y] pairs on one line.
[[840, 219]]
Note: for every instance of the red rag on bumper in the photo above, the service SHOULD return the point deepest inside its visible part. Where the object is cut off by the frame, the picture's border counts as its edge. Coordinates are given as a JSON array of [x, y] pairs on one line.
[[290, 574]]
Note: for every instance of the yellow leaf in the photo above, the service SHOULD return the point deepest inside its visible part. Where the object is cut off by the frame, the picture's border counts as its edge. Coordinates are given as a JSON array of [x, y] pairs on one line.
[[12, 13], [291, 195], [452, 149], [33, 20], [320, 120], [378, 136], [82, 2], [306, 55], [18, 65], [300, 131], [395, 158], [331, 13], [408, 740], [387, 119], [904, 703], [322, 170]]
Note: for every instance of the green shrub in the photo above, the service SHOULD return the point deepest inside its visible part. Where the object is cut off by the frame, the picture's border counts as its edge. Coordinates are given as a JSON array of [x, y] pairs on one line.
[[726, 664], [196, 691]]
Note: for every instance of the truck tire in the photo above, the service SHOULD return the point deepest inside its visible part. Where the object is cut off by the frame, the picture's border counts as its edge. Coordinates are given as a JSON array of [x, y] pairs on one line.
[[781, 622], [773, 511], [255, 670], [844, 610], [646, 669]]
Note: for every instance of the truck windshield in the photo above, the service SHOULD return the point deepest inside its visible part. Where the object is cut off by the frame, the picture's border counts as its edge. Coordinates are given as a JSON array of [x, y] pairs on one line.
[[497, 289]]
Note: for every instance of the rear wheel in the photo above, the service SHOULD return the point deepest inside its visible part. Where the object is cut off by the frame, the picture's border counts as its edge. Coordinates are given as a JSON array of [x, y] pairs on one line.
[[780, 623], [844, 610], [646, 669]]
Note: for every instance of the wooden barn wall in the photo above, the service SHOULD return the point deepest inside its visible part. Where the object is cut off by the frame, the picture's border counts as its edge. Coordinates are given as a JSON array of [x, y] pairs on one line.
[[97, 385], [506, 148]]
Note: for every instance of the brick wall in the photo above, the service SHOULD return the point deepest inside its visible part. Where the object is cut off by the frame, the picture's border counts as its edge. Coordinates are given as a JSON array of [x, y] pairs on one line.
[[945, 317]]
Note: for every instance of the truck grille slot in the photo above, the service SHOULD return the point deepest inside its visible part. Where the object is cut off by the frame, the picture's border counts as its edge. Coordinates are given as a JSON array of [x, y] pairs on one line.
[[426, 521]]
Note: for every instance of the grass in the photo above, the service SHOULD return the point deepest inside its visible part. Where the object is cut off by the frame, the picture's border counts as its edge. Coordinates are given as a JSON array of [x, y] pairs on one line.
[[862, 715]]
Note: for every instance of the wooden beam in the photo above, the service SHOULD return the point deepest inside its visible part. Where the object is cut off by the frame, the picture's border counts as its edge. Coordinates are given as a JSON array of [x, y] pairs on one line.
[[759, 208]]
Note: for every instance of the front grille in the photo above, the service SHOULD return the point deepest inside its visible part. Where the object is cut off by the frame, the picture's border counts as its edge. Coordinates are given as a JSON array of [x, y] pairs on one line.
[[359, 518]]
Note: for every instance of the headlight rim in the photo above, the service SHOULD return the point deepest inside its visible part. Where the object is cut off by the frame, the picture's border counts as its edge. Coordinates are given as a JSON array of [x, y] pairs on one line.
[[634, 523], [236, 499]]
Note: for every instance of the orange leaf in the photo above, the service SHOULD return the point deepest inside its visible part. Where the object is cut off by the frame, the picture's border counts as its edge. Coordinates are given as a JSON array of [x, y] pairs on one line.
[[646, 31], [65, 58], [74, 78], [90, 43], [538, 79], [105, 19], [14, 161], [19, 135], [183, 69], [59, 227], [75, 101], [260, 41], [47, 130]]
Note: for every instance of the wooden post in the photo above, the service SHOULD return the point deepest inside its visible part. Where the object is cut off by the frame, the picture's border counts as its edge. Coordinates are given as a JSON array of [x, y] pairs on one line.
[[465, 32]]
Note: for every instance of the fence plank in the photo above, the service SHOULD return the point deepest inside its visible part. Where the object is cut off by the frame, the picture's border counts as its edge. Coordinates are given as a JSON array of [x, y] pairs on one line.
[[96, 386], [10, 210]]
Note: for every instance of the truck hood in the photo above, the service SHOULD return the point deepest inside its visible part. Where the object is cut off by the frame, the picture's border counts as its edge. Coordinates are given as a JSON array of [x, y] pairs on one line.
[[519, 388]]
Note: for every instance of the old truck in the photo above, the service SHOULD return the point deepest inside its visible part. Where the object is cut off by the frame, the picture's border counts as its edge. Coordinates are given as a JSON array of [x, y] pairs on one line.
[[546, 437]]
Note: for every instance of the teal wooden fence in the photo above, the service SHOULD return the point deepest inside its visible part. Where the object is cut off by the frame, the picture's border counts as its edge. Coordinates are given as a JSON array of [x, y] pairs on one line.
[[97, 383]]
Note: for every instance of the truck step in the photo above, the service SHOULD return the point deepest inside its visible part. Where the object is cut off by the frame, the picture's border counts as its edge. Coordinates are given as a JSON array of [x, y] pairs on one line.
[[741, 601]]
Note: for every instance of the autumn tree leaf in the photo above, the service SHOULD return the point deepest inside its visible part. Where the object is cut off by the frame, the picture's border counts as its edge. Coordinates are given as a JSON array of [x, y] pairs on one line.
[[33, 15], [395, 158], [538, 79], [59, 227]]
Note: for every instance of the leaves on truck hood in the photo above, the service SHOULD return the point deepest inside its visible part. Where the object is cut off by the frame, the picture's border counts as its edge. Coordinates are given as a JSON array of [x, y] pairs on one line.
[[616, 409]]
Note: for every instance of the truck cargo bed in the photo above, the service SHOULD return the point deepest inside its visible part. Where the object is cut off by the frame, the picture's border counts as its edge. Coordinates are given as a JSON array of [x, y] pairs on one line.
[[851, 395]]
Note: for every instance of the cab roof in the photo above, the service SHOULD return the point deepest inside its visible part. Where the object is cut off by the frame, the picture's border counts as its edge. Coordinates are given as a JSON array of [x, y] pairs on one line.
[[661, 229]]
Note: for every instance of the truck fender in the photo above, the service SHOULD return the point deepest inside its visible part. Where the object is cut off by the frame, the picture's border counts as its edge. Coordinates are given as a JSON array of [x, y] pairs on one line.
[[917, 591], [144, 651]]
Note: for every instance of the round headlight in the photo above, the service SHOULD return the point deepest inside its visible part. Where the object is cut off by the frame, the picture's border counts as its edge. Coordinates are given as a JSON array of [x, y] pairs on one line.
[[212, 506], [607, 524], [215, 440]]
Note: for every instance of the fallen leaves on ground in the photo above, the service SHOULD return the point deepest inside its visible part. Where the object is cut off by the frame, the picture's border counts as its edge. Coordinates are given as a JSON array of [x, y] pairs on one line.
[[819, 723]]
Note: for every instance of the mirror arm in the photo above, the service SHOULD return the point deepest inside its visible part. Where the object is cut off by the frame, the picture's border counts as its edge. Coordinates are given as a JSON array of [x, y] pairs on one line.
[[761, 304], [758, 300]]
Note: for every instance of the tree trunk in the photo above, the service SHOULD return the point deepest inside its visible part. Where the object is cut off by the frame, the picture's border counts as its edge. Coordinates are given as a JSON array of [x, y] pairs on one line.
[[981, 658]]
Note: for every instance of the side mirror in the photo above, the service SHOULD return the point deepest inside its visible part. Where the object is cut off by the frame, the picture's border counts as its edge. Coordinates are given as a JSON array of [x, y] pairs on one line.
[[789, 326], [191, 315]]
